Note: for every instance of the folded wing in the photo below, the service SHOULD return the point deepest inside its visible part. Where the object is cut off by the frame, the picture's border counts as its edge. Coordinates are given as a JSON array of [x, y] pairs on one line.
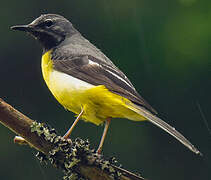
[[96, 72]]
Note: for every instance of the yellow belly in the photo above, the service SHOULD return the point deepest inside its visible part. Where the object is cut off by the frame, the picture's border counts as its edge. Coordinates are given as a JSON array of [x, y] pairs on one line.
[[97, 101]]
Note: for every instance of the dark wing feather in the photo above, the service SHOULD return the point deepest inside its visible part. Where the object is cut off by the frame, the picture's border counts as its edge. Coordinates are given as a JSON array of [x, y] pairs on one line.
[[97, 72]]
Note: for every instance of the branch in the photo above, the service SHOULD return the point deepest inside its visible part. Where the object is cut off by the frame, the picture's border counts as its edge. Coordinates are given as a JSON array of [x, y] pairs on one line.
[[89, 165]]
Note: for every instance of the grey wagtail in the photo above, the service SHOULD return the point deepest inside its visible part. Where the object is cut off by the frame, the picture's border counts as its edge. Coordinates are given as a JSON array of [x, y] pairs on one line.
[[85, 81]]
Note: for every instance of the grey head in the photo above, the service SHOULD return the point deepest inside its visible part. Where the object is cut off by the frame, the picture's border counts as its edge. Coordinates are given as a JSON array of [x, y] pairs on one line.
[[49, 29]]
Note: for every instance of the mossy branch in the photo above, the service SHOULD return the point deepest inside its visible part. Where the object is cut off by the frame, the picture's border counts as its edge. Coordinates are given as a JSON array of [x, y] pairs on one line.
[[75, 158]]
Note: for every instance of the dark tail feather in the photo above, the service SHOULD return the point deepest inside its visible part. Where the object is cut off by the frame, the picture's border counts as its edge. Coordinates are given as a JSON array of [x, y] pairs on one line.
[[166, 127]]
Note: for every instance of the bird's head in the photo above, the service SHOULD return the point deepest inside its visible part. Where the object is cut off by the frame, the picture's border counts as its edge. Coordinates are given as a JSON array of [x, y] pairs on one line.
[[49, 29]]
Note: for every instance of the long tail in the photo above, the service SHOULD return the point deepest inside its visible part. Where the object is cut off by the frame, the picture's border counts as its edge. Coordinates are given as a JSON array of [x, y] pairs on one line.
[[166, 127]]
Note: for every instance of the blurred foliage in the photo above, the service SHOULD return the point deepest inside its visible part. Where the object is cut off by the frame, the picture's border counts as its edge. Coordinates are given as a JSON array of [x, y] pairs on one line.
[[163, 47]]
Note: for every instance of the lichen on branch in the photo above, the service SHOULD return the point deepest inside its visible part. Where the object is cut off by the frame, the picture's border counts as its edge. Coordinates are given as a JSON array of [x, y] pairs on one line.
[[75, 158]]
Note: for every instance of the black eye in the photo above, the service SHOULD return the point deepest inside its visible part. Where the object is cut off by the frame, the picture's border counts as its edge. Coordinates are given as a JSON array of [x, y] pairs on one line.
[[48, 23]]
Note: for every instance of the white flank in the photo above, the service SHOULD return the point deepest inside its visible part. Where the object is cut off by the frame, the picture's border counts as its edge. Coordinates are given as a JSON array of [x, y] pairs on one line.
[[66, 82]]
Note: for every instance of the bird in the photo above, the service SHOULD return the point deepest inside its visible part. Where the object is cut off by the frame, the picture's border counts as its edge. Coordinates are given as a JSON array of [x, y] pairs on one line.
[[85, 81]]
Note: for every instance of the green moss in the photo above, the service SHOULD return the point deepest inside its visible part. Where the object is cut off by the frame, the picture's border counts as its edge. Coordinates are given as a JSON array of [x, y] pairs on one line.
[[68, 155]]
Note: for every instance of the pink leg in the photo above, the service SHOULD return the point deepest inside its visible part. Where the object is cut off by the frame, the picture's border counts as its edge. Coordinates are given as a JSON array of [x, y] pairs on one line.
[[104, 135], [67, 135]]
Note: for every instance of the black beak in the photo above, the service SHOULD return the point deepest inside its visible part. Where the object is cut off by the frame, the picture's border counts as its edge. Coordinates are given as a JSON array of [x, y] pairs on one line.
[[26, 28]]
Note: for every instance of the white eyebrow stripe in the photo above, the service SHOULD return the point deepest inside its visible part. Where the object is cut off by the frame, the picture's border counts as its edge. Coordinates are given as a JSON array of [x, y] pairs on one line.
[[120, 78]]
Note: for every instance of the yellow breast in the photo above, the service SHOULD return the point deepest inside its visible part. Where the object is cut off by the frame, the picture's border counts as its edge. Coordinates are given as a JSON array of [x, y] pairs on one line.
[[74, 94], [47, 66], [66, 89]]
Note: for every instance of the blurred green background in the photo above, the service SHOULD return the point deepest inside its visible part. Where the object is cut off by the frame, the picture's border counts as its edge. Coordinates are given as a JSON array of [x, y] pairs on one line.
[[164, 49]]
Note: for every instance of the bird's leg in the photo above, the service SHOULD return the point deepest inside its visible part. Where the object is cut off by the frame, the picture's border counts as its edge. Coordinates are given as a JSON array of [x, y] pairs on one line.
[[99, 149], [73, 125]]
